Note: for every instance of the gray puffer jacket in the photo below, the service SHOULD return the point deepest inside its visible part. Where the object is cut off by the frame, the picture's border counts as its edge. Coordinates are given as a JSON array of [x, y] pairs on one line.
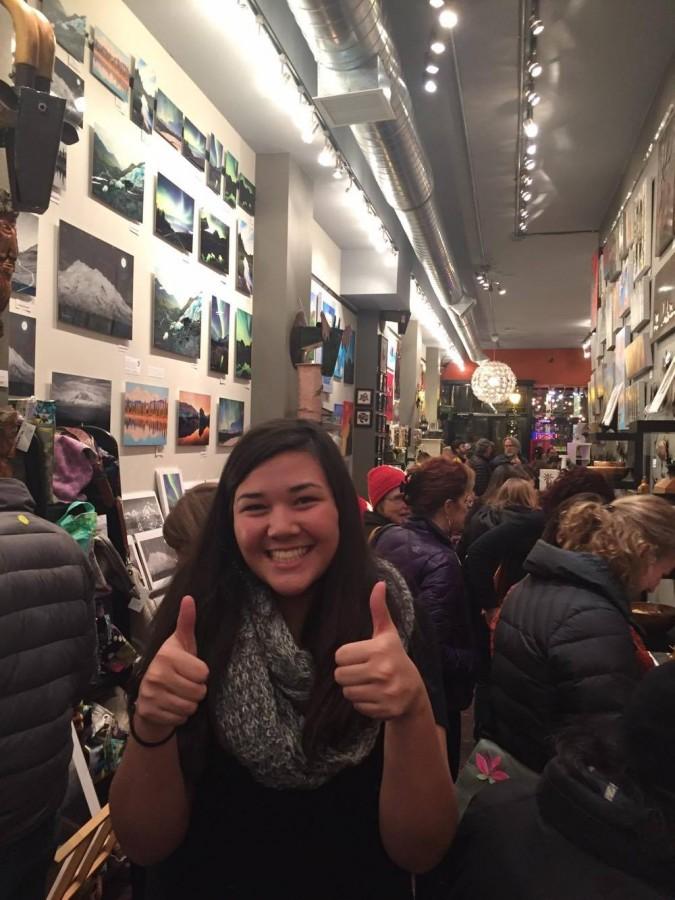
[[47, 644]]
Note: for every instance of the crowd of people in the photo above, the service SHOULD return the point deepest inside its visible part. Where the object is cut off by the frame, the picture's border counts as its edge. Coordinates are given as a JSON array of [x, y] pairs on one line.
[[296, 716]]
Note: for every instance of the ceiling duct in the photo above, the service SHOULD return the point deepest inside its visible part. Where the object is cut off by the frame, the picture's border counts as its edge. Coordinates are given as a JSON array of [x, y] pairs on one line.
[[355, 53]]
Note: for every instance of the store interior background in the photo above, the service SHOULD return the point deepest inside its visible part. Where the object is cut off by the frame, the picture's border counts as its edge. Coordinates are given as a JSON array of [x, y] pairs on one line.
[[608, 82]]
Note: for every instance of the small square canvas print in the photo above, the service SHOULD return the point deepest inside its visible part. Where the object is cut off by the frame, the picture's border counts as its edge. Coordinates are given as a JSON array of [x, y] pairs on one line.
[[230, 421], [69, 86], [214, 243], [118, 172], [665, 190], [194, 145], [169, 484], [243, 336], [194, 419], [219, 345], [174, 214], [159, 560], [245, 241], [70, 31], [94, 284], [21, 355], [177, 319], [81, 400], [246, 196], [214, 164], [141, 512], [143, 96], [145, 415], [168, 120], [110, 65], [24, 279], [231, 180]]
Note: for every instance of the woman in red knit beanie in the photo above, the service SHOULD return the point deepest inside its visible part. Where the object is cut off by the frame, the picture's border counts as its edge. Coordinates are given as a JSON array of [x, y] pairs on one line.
[[387, 501]]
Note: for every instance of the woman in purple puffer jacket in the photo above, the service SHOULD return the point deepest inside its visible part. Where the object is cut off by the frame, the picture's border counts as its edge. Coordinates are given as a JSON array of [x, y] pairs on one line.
[[439, 493]]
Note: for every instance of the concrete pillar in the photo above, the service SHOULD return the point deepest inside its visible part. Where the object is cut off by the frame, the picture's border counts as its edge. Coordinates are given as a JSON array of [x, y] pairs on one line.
[[365, 376], [433, 383], [411, 347], [283, 269]]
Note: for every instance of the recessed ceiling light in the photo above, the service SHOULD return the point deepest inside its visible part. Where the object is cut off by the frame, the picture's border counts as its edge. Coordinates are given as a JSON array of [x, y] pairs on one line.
[[438, 47], [430, 86], [432, 69], [448, 18], [436, 3]]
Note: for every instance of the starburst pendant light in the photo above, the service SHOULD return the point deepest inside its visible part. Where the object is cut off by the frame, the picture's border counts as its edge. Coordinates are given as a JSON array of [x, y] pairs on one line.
[[493, 381]]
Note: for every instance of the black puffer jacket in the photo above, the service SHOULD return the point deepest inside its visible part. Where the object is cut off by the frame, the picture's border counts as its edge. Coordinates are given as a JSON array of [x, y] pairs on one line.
[[483, 470], [563, 648], [425, 557], [47, 647]]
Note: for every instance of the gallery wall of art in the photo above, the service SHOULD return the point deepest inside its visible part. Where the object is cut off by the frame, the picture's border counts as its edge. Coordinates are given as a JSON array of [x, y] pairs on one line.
[[134, 290]]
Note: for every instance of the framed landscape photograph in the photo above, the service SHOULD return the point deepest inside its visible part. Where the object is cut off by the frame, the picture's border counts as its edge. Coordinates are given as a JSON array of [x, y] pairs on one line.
[[169, 484], [143, 96], [145, 414], [194, 419], [219, 340], [230, 421], [81, 401], [141, 512], [94, 284], [176, 319], [664, 227], [168, 120], [21, 355], [158, 559], [69, 86], [246, 195], [245, 241], [664, 301], [214, 243], [243, 336], [642, 221], [24, 279], [231, 180], [118, 172], [110, 65], [174, 214], [70, 31], [214, 164], [194, 145]]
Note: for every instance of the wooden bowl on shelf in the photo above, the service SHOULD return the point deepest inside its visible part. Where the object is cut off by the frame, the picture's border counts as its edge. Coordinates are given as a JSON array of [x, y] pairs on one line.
[[613, 470]]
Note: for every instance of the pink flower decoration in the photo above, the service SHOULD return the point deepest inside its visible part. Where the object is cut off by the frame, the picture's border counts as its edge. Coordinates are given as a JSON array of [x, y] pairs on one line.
[[488, 768]]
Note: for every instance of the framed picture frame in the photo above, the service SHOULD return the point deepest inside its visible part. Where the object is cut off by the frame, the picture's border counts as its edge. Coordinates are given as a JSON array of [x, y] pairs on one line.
[[141, 512], [169, 484], [364, 397], [363, 418], [158, 559]]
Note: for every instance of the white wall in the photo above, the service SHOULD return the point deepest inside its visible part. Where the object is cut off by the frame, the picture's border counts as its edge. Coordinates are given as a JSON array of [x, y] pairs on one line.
[[71, 350]]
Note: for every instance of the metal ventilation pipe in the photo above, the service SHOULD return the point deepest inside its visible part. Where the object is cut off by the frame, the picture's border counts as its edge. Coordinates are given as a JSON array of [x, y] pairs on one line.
[[348, 35]]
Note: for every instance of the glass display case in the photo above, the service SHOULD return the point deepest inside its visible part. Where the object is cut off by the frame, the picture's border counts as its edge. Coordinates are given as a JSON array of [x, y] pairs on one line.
[[645, 450]]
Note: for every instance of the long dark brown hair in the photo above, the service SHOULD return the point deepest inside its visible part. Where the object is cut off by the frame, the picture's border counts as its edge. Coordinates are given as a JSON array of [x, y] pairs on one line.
[[215, 577]]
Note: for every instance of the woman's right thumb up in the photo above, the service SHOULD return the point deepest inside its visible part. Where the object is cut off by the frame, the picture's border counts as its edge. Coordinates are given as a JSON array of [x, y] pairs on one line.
[[186, 624]]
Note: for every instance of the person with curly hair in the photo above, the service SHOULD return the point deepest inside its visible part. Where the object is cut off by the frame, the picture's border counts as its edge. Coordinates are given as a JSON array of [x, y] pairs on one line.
[[563, 643]]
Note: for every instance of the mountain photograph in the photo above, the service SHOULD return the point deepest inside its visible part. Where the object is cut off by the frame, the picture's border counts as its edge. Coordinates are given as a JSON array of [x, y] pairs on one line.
[[118, 173], [21, 355], [168, 120], [214, 243], [94, 284], [143, 96], [177, 321], [231, 179], [24, 279], [174, 214], [194, 419], [214, 164], [194, 145], [70, 31], [219, 344], [230, 421], [81, 400], [243, 335], [245, 237]]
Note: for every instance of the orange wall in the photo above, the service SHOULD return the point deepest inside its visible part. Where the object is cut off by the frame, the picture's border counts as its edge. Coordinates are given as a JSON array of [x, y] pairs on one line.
[[565, 367]]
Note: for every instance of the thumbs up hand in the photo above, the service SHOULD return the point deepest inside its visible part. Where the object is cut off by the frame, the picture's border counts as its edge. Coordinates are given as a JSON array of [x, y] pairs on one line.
[[175, 681], [377, 675]]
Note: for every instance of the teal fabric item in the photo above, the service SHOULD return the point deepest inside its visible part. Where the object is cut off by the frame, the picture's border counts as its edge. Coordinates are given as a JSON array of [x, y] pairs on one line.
[[79, 520]]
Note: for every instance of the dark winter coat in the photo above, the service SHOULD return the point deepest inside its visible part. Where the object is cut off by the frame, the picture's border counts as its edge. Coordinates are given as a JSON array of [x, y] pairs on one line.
[[47, 652], [373, 520], [503, 460], [563, 838], [563, 648], [481, 467], [430, 566]]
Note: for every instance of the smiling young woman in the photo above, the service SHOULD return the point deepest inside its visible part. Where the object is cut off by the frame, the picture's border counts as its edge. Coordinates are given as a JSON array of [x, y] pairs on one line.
[[288, 727]]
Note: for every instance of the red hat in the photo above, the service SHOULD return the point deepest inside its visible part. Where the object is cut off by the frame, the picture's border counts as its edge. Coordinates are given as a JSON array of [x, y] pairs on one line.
[[381, 480]]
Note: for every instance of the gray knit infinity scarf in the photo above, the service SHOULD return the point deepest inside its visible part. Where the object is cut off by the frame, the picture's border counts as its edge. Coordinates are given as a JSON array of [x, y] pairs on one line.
[[269, 679]]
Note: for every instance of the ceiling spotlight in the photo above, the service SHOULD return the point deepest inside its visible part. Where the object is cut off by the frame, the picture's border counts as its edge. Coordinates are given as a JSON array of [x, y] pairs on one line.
[[522, 226], [436, 3], [530, 127], [536, 26], [448, 18], [526, 195], [532, 97], [338, 171], [530, 164], [432, 69], [527, 179], [535, 68], [327, 156], [501, 291], [430, 86], [531, 149], [437, 47], [524, 213]]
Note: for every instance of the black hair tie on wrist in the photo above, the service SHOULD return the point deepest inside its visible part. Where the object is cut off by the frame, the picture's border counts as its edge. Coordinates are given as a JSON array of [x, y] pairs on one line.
[[149, 744]]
